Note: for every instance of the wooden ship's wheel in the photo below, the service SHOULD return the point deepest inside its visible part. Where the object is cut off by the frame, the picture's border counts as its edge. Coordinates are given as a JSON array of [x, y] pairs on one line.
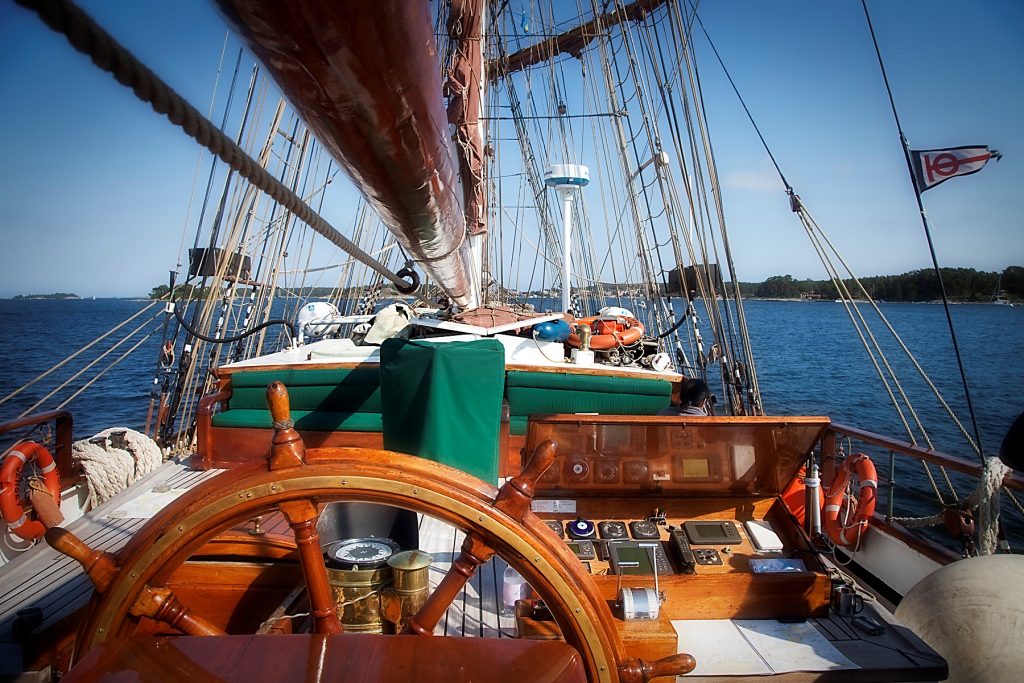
[[131, 585]]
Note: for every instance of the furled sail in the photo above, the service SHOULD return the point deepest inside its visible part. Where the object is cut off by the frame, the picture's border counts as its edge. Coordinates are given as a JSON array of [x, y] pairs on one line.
[[366, 79]]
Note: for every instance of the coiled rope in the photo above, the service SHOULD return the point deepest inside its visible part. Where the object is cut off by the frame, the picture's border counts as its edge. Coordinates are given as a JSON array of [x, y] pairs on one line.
[[86, 36]]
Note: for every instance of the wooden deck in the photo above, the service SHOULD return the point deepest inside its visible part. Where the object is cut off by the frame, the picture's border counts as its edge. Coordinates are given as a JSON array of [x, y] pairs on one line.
[[42, 577]]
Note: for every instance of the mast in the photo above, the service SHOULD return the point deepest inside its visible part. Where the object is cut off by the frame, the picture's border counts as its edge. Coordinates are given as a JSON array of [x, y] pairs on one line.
[[364, 77], [567, 179], [465, 87]]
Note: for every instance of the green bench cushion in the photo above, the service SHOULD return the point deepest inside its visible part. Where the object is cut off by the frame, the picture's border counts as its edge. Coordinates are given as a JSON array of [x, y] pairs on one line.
[[533, 393], [517, 425], [350, 399], [339, 391], [306, 377], [308, 420]]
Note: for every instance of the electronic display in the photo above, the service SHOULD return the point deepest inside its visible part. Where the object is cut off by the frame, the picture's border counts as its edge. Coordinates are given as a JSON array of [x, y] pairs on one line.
[[584, 550], [695, 468], [634, 554], [633, 557], [710, 533]]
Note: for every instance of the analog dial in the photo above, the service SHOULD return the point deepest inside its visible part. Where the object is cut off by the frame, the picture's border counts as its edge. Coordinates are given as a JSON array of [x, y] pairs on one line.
[[361, 553]]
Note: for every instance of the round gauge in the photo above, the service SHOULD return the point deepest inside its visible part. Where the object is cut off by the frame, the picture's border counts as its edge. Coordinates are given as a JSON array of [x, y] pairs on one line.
[[612, 530], [607, 472], [635, 472], [581, 529], [576, 470], [361, 553], [556, 527], [644, 530]]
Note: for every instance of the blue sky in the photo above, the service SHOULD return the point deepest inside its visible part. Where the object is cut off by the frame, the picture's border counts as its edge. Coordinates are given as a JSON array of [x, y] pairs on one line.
[[96, 187]]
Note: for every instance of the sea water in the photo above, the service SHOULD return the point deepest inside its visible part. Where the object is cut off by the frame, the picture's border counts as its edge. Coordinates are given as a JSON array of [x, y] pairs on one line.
[[809, 361]]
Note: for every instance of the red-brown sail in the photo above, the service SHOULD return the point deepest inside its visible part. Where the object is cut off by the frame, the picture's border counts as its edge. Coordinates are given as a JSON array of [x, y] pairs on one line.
[[365, 78]]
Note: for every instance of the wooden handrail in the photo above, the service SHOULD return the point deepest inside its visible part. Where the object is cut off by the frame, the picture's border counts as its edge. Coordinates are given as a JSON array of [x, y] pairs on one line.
[[202, 460], [62, 456], [1012, 480]]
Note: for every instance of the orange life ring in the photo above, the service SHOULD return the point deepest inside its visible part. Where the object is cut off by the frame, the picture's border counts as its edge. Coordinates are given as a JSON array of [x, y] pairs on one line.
[[609, 332], [862, 507], [10, 475]]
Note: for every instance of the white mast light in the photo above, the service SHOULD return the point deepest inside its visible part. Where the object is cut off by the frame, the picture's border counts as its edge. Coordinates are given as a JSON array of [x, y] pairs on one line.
[[567, 179]]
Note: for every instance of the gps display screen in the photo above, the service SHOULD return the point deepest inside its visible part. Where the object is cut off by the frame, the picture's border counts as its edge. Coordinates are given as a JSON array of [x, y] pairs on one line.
[[634, 554]]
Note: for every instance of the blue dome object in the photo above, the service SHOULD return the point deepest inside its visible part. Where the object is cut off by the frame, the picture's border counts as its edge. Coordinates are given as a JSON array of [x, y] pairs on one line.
[[553, 330]]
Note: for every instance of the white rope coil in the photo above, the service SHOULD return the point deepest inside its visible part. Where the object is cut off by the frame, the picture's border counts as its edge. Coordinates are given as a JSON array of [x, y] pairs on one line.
[[115, 459]]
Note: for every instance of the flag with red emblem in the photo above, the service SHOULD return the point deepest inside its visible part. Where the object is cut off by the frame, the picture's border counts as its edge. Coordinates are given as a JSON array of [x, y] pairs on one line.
[[934, 166]]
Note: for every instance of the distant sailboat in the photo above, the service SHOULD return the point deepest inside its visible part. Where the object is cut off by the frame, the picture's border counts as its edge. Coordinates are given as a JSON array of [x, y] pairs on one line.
[[1000, 298]]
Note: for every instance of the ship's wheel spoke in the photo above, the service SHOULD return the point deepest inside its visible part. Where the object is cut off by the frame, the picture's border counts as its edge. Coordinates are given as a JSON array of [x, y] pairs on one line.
[[513, 500], [302, 516]]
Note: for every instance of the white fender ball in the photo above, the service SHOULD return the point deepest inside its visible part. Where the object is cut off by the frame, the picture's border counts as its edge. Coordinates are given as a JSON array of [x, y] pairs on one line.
[[972, 613]]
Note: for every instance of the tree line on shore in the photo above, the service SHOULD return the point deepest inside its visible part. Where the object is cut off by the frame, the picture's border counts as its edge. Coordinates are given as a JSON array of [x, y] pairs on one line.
[[962, 284], [193, 293]]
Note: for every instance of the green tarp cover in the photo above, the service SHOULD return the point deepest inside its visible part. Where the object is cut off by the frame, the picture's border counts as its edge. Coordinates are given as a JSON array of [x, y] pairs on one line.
[[442, 401]]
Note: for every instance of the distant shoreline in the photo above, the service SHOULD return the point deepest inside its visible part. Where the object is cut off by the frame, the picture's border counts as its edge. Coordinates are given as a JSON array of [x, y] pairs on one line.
[[864, 301], [56, 295]]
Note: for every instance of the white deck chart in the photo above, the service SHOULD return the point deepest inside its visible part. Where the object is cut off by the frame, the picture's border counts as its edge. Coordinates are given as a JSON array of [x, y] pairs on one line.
[[42, 577]]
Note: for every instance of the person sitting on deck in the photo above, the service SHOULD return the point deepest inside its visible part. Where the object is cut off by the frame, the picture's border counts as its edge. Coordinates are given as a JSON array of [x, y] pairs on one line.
[[693, 400]]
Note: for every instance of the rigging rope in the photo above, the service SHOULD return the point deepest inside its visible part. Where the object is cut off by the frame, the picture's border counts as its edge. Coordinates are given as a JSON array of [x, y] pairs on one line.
[[96, 360], [928, 235], [104, 370], [86, 36]]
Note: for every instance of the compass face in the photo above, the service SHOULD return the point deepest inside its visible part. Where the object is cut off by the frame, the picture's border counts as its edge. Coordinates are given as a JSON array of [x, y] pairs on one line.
[[612, 530], [361, 553], [644, 530]]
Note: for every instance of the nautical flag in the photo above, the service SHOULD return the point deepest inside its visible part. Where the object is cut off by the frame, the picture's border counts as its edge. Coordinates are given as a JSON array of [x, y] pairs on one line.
[[934, 166], [526, 24]]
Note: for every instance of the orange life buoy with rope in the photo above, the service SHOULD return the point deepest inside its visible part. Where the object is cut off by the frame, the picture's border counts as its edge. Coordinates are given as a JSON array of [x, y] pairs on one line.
[[861, 508], [609, 332], [11, 507]]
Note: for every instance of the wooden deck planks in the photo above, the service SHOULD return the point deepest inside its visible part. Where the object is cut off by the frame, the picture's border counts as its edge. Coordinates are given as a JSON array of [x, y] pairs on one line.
[[475, 612], [42, 577]]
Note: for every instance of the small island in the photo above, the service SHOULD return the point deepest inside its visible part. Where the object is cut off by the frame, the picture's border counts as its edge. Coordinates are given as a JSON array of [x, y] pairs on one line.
[[56, 295]]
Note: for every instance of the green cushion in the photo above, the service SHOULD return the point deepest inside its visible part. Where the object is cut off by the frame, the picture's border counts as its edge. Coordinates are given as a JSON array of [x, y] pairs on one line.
[[442, 401], [597, 383], [342, 398], [532, 393], [314, 421], [517, 425], [306, 378], [341, 391]]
